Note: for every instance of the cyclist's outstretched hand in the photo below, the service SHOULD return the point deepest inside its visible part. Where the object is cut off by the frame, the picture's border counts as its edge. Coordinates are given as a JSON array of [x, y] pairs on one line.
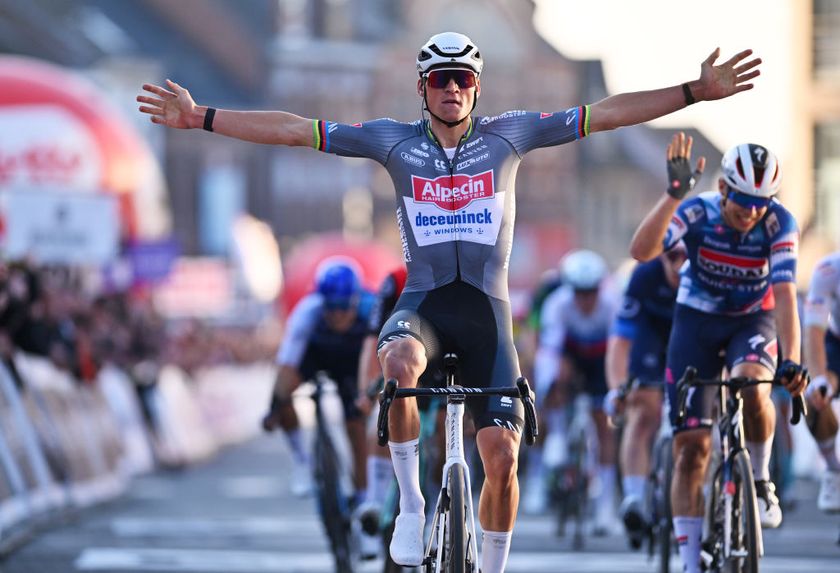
[[681, 179], [728, 78], [793, 377], [173, 107]]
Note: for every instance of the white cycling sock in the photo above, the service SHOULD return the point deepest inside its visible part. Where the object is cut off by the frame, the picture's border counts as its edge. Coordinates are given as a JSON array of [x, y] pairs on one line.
[[760, 457], [688, 530], [300, 451], [379, 475], [495, 547], [606, 497], [406, 459], [634, 486], [828, 449]]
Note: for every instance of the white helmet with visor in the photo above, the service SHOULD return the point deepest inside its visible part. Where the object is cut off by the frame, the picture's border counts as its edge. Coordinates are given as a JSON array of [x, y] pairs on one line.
[[449, 50], [752, 169]]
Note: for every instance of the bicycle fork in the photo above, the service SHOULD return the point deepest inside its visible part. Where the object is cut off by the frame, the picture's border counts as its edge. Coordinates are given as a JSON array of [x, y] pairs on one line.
[[729, 489], [455, 456]]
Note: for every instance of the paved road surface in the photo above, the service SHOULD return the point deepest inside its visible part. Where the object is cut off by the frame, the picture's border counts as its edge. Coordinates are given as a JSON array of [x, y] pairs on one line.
[[234, 515]]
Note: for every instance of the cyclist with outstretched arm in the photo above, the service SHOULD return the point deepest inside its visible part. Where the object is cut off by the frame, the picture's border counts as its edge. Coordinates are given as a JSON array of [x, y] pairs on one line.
[[821, 322], [453, 176], [736, 295]]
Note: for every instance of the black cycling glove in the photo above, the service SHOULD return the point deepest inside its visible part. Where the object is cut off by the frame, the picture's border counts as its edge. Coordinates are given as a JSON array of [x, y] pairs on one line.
[[788, 369], [681, 179]]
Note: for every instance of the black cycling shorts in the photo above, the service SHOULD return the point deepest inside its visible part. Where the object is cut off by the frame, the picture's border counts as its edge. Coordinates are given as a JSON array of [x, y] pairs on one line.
[[478, 328]]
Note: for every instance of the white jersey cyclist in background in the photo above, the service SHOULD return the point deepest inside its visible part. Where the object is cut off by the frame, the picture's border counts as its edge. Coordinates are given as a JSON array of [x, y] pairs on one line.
[[737, 295], [453, 175], [821, 322], [574, 327]]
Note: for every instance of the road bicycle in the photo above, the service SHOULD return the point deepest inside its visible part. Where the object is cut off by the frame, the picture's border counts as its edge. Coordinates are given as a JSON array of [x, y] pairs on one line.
[[331, 478], [569, 482], [657, 502], [452, 545], [732, 538]]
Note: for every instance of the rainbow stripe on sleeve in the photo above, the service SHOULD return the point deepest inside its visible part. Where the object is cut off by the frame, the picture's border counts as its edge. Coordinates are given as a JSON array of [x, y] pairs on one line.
[[320, 135], [583, 121]]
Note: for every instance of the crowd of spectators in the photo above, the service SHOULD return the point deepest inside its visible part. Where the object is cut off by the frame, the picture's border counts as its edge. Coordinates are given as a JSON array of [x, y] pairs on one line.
[[52, 311]]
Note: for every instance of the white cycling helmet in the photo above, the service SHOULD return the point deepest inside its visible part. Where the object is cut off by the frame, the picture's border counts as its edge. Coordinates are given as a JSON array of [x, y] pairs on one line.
[[449, 50], [583, 269], [752, 169]]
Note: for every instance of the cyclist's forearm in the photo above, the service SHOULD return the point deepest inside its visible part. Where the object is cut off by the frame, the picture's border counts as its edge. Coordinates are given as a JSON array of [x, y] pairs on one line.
[[787, 321], [271, 127], [647, 240], [369, 368], [618, 354], [815, 359], [637, 107]]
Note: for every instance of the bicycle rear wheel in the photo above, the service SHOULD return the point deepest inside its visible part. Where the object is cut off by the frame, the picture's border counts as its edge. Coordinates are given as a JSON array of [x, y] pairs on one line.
[[745, 523], [661, 502], [332, 503], [455, 556]]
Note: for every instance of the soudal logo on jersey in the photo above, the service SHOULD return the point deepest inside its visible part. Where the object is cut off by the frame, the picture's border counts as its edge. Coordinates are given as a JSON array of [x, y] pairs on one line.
[[732, 266], [454, 192]]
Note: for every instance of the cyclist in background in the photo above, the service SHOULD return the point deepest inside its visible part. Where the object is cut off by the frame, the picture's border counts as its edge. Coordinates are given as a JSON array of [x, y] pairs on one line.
[[574, 327], [736, 295], [821, 324], [323, 332], [636, 355], [454, 179]]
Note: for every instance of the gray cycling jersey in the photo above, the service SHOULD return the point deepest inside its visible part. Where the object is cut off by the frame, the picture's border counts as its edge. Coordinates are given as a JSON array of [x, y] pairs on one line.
[[455, 216]]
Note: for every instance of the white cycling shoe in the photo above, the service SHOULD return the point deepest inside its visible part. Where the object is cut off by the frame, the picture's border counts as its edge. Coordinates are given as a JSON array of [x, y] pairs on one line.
[[301, 483], [829, 497], [407, 541], [769, 510]]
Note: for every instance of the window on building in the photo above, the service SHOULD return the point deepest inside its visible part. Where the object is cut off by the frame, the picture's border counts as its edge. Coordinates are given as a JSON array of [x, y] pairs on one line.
[[827, 172], [827, 40]]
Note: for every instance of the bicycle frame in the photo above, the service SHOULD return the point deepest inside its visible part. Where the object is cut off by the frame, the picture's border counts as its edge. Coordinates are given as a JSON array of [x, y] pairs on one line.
[[455, 456], [730, 443]]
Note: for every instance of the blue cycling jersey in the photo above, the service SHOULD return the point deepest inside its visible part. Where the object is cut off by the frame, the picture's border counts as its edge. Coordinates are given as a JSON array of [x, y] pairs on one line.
[[307, 333], [649, 298], [731, 272]]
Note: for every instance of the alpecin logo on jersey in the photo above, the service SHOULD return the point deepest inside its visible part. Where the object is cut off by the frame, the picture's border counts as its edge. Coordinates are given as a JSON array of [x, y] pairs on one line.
[[452, 193], [733, 266]]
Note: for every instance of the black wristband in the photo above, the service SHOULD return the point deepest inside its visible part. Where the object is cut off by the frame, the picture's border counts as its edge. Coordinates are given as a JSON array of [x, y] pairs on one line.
[[208, 118], [689, 97]]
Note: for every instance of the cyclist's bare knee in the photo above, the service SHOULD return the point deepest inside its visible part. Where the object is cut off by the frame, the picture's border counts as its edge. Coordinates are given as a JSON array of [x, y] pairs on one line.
[[692, 449], [403, 359], [499, 451]]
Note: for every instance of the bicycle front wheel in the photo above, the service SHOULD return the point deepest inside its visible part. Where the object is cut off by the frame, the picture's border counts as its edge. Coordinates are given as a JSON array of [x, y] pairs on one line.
[[745, 522], [332, 503], [661, 502], [455, 556]]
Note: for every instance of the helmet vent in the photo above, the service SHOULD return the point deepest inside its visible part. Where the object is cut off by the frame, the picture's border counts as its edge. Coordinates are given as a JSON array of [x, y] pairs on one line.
[[441, 53]]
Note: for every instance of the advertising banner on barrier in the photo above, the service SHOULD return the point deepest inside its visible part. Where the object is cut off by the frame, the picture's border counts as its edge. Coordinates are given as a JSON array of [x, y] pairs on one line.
[[60, 227]]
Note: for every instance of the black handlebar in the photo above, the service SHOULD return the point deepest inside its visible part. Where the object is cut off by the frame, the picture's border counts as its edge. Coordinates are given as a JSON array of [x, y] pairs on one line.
[[689, 379], [522, 390]]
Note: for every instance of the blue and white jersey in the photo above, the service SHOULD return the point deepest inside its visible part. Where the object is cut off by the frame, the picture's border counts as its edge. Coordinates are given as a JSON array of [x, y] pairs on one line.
[[731, 272], [308, 332]]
